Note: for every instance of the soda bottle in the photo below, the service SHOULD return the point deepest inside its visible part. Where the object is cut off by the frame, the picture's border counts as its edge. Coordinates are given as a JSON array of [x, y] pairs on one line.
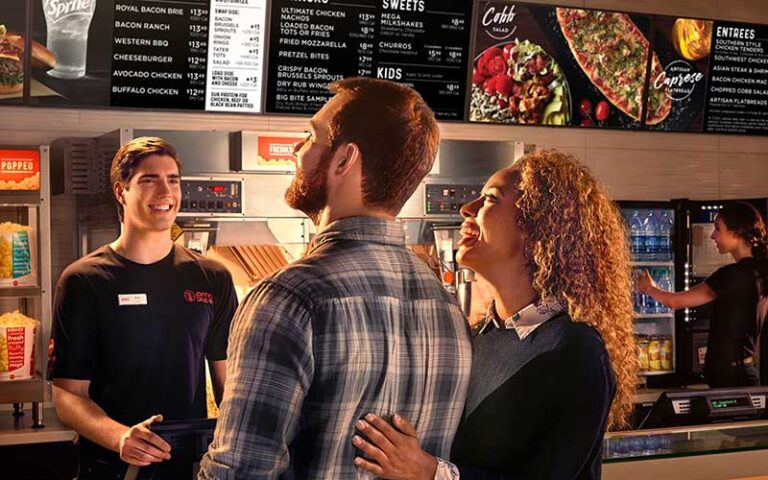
[[665, 237], [651, 236], [636, 236]]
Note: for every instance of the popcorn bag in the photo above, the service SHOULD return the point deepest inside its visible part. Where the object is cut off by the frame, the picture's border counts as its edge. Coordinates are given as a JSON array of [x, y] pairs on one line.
[[17, 346], [17, 260]]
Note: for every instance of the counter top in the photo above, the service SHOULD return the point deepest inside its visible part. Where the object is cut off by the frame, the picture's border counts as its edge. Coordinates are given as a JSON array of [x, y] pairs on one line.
[[19, 431], [650, 395]]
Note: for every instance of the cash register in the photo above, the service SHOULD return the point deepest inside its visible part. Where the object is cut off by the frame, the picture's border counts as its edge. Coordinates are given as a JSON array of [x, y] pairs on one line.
[[699, 407], [189, 440]]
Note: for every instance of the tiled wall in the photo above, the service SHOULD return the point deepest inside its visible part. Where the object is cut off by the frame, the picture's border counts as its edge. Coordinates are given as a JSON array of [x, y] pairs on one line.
[[634, 165]]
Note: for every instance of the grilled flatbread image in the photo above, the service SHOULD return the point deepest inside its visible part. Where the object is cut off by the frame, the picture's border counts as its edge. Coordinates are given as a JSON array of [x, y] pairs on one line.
[[613, 53]]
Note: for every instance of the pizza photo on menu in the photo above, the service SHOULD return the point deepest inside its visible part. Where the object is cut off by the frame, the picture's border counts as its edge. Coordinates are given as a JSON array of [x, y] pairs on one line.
[[519, 82], [613, 53]]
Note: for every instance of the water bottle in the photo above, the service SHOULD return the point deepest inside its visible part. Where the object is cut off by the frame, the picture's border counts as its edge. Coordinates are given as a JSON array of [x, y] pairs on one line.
[[637, 246], [648, 304], [664, 283], [651, 236], [665, 237]]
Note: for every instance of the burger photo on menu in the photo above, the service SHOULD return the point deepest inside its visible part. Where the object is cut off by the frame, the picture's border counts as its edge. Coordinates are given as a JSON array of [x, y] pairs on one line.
[[12, 61], [546, 65]]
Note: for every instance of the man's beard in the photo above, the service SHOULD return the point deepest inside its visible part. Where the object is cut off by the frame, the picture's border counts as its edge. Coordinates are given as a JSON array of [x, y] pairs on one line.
[[308, 191]]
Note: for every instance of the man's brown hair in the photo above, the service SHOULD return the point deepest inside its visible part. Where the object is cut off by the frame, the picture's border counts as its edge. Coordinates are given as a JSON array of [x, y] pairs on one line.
[[130, 155], [397, 135]]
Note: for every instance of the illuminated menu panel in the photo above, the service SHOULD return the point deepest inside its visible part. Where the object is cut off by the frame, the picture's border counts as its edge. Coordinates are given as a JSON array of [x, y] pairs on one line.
[[422, 43], [175, 54]]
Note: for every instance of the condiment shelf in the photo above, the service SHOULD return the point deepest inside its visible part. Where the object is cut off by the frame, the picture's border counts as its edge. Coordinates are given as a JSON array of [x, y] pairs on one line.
[[651, 316], [19, 292], [21, 391], [654, 373], [652, 264], [19, 199]]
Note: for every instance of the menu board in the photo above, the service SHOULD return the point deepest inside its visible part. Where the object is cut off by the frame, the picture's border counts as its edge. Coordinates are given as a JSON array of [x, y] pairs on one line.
[[193, 54], [541, 65], [421, 43], [737, 93]]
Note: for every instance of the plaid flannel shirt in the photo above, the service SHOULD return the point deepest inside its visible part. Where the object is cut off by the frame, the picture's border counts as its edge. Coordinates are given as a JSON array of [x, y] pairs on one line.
[[359, 325]]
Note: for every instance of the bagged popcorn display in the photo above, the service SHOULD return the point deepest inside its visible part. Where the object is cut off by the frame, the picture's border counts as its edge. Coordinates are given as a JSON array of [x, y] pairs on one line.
[[17, 260], [17, 346]]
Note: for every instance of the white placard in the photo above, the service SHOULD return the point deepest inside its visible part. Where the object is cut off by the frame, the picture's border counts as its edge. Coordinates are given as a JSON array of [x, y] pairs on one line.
[[235, 55]]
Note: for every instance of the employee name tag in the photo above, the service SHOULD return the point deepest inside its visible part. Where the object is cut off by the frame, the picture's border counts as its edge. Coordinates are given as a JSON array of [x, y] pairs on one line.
[[132, 299]]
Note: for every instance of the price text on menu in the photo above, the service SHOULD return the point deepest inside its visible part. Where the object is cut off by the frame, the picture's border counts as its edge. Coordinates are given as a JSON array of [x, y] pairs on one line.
[[737, 93], [196, 54], [421, 43]]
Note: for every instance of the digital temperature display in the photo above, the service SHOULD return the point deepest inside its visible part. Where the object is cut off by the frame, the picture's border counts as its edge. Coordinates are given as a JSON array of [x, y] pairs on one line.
[[724, 403], [211, 196]]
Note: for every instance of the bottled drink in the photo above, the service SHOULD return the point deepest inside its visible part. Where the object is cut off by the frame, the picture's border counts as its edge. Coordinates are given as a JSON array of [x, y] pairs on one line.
[[665, 237], [68, 22], [651, 236], [664, 283], [654, 354], [636, 245], [666, 353]]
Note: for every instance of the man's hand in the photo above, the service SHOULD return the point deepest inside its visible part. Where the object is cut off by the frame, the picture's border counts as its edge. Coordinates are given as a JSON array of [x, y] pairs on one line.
[[139, 446]]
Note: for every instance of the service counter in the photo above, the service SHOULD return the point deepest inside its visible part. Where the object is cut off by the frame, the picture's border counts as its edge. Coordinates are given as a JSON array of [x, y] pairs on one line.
[[716, 451]]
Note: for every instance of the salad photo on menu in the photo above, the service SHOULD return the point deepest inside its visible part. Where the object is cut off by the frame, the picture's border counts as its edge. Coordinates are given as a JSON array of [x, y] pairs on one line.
[[541, 65], [519, 82]]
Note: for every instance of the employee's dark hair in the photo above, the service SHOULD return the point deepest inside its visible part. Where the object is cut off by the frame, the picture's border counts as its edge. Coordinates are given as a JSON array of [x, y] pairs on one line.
[[130, 155], [397, 135], [745, 221]]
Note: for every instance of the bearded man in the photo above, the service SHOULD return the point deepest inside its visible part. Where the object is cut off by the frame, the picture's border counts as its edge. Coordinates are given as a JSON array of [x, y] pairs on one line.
[[359, 324]]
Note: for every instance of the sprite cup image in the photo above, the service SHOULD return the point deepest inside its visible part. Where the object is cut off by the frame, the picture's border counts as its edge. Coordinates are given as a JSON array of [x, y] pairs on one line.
[[68, 22]]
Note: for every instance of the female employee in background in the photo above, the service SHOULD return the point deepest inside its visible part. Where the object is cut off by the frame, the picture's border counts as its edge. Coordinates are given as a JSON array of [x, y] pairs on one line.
[[558, 343], [733, 329]]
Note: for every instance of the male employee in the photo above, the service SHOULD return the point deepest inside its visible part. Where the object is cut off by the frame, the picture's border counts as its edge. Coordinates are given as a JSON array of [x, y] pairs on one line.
[[134, 320], [358, 325]]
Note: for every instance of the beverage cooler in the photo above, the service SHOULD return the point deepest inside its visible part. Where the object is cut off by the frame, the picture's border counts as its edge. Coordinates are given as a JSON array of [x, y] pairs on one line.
[[672, 241], [653, 232]]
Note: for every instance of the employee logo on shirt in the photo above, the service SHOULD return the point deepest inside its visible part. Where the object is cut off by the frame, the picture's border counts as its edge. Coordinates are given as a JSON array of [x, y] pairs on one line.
[[198, 297]]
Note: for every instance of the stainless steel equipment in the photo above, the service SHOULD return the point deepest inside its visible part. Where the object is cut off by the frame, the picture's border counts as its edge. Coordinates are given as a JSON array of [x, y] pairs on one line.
[[224, 210]]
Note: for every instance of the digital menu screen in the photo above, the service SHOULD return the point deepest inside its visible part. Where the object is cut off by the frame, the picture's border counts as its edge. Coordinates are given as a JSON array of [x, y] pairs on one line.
[[541, 65], [737, 92], [422, 43], [194, 54]]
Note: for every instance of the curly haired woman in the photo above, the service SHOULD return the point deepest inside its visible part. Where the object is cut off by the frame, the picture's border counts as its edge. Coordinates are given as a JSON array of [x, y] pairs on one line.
[[554, 364], [734, 331]]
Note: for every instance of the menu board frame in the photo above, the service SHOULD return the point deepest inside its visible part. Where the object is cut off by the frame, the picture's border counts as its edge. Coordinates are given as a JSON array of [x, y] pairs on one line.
[[27, 99]]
